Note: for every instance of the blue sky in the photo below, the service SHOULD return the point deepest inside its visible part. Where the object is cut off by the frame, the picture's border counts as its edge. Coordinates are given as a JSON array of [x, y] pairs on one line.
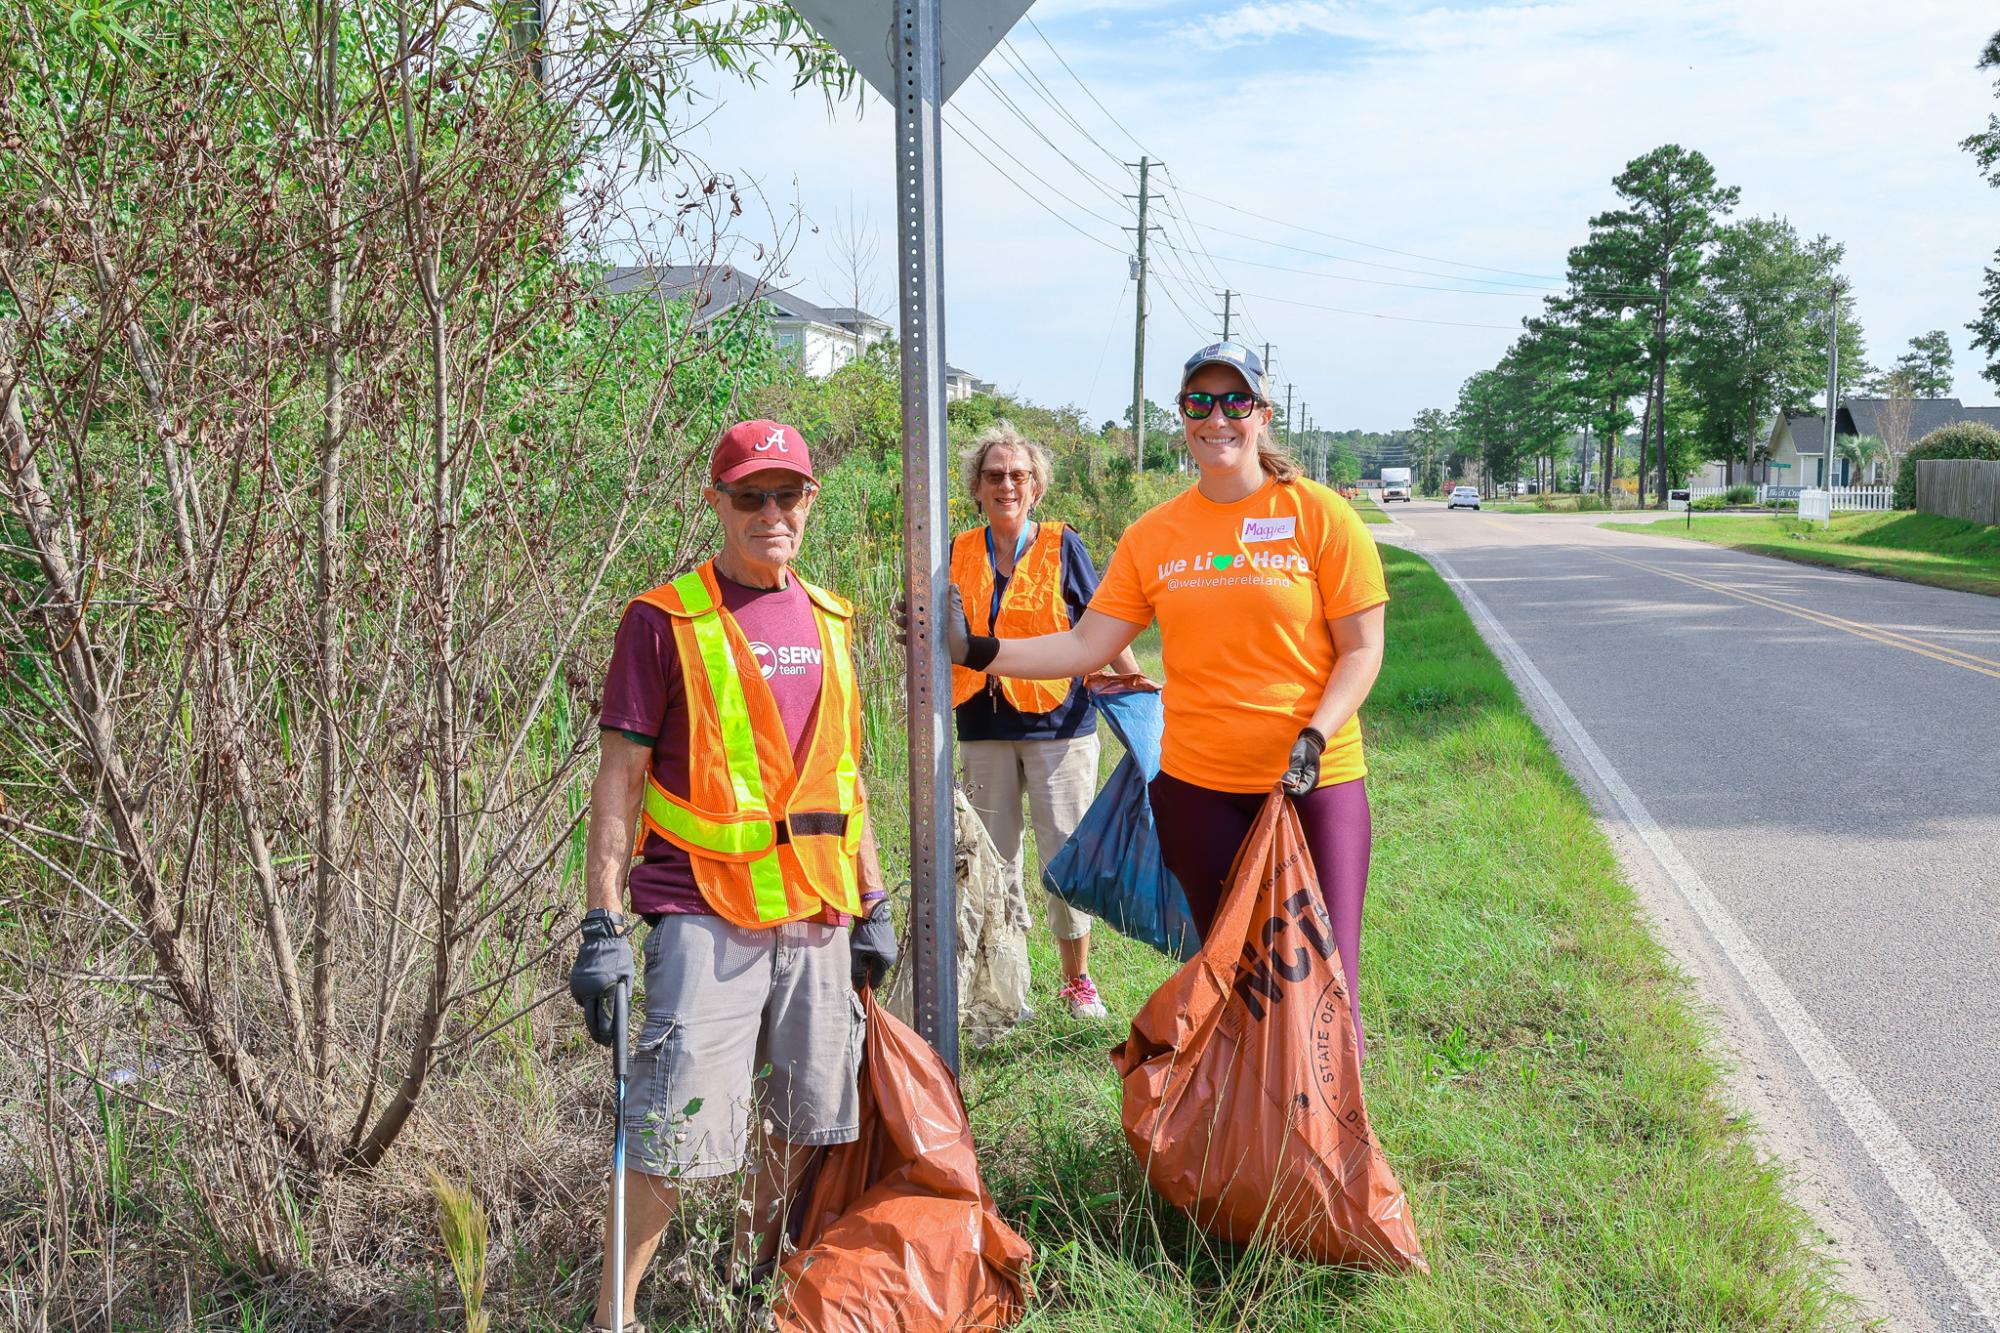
[[1480, 137]]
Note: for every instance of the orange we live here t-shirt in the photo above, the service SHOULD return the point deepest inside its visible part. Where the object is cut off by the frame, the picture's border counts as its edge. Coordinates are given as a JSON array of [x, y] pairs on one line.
[[1243, 593]]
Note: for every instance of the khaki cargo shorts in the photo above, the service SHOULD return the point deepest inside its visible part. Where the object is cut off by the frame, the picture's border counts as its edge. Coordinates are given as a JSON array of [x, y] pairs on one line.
[[742, 1022]]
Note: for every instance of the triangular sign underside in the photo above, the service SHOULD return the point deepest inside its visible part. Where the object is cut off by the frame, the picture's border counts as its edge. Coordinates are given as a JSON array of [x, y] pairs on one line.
[[863, 31]]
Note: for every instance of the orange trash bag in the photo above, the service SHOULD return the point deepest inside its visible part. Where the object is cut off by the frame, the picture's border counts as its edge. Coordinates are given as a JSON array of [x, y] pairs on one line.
[[1242, 1082], [897, 1230]]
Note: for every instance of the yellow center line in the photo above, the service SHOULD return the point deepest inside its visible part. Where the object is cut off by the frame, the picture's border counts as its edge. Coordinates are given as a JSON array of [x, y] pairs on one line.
[[1939, 652]]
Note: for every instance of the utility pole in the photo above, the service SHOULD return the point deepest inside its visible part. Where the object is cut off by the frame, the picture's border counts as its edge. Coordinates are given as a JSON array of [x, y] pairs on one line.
[[1267, 362], [1139, 335], [1226, 297], [1832, 385], [1288, 416]]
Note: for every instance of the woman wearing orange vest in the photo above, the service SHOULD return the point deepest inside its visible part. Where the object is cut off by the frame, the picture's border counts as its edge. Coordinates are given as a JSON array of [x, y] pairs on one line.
[[1017, 737]]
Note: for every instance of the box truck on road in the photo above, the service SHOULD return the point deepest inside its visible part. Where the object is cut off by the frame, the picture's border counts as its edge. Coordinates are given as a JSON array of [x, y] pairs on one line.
[[1395, 484]]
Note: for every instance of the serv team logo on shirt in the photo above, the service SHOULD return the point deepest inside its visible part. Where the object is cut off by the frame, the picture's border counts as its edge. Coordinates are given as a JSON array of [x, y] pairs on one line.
[[788, 659]]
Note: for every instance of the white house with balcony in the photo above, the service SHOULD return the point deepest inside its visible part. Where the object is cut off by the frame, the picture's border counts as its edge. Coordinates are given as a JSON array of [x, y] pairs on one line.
[[818, 339]]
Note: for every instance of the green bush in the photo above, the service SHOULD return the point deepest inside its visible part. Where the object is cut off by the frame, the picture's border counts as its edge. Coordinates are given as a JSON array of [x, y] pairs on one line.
[[1740, 495], [1961, 439], [1710, 502]]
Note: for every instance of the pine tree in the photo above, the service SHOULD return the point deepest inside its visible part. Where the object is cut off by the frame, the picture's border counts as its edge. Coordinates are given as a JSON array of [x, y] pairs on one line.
[[1654, 245]]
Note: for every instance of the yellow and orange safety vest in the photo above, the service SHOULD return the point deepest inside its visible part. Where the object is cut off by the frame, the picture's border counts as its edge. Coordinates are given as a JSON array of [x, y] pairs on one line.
[[772, 839]]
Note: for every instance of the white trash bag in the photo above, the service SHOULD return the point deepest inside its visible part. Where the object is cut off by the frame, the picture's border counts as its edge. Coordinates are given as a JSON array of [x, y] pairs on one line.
[[992, 938]]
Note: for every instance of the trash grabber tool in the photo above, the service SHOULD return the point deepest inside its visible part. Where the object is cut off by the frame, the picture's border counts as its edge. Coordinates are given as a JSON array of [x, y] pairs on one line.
[[621, 1017]]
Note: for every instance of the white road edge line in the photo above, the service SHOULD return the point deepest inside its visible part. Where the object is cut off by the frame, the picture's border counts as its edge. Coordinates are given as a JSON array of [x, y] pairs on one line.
[[1958, 1240]]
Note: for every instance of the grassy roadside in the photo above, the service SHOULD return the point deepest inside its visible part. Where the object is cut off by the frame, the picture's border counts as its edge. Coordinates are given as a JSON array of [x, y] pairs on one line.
[[1918, 548], [1370, 511], [1536, 1073], [1555, 504]]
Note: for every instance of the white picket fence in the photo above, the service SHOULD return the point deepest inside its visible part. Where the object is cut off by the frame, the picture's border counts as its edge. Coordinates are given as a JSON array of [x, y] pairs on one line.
[[1846, 499], [1864, 499]]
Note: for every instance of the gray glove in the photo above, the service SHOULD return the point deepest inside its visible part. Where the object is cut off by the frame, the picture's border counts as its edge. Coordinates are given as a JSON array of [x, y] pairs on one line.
[[965, 648], [1302, 768], [603, 960], [872, 946]]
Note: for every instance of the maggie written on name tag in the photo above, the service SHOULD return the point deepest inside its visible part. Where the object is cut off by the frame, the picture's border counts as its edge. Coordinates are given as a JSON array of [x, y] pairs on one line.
[[1270, 529]]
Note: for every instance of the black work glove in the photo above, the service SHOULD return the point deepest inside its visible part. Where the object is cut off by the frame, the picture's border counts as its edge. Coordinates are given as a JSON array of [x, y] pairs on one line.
[[1302, 768], [872, 946], [603, 960], [966, 649]]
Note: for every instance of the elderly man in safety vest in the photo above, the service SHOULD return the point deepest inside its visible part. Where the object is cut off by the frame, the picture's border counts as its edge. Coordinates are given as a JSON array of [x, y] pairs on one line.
[[731, 752]]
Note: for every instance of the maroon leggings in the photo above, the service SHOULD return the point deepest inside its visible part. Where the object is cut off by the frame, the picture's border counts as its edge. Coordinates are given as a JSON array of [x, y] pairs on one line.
[[1200, 831]]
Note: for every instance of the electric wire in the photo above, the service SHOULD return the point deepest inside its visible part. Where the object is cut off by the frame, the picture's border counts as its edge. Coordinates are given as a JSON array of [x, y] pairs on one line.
[[1372, 314], [1019, 64], [1116, 196], [1086, 87], [1032, 173], [1117, 309], [1039, 202]]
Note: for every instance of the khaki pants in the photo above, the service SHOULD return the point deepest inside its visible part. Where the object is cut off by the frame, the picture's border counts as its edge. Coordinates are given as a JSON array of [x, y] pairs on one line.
[[1059, 778]]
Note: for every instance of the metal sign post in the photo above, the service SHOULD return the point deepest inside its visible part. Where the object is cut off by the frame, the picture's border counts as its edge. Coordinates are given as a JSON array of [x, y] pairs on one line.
[[908, 54], [926, 517]]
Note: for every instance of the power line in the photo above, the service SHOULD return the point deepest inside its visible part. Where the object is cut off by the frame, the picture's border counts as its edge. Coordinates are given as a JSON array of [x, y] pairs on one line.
[[1369, 263], [1111, 328], [1019, 64], [1368, 245], [1371, 314], [1118, 249], [1409, 286], [1190, 229], [993, 86], [1032, 173], [1086, 88]]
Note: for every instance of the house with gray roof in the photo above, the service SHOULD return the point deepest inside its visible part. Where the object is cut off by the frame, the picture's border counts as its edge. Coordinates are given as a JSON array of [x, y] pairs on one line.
[[819, 339], [1796, 446]]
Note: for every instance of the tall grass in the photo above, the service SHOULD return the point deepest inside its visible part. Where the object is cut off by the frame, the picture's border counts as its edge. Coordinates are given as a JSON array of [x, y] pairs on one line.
[[1535, 1074]]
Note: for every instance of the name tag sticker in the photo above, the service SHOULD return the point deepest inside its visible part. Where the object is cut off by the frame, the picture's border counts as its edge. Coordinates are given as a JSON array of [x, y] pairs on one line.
[[1270, 529]]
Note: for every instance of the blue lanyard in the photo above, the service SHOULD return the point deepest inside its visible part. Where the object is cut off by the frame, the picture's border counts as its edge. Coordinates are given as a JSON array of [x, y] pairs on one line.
[[1020, 545]]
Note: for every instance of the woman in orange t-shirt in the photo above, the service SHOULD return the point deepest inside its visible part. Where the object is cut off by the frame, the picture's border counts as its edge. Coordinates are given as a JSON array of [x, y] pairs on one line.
[[1269, 596]]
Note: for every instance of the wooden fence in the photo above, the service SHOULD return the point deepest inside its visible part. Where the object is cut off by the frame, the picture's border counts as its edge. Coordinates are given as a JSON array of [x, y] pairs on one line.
[[1967, 488]]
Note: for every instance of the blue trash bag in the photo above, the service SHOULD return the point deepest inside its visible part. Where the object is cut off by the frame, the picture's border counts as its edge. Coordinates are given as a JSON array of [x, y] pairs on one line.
[[1111, 866]]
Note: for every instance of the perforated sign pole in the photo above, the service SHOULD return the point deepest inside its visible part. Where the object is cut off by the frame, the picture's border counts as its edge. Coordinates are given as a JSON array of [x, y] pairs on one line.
[[918, 37]]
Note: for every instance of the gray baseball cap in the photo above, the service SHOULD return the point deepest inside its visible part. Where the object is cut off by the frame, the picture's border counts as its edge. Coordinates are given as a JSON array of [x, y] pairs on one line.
[[1232, 354]]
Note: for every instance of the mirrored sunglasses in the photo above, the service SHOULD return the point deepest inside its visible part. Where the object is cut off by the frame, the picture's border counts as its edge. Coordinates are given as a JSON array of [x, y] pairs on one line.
[[1196, 406]]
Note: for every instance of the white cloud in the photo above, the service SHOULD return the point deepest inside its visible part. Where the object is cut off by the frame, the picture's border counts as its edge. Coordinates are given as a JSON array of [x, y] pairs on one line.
[[1485, 134]]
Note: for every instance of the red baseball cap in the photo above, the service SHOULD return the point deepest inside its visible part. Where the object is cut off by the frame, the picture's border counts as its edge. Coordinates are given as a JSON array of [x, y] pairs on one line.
[[755, 446]]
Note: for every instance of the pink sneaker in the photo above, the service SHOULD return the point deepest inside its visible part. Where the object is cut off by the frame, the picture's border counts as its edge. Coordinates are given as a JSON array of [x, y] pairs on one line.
[[1080, 994]]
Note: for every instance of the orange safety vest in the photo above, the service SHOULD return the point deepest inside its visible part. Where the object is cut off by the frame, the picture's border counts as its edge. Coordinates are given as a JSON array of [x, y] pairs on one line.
[[772, 839], [1032, 604]]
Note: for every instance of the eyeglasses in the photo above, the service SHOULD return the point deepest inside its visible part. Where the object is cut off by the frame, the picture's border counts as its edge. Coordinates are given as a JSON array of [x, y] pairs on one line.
[[751, 499], [1196, 406], [993, 476]]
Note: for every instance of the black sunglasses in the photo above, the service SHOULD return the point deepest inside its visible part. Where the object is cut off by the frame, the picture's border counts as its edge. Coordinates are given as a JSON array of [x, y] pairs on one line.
[[750, 499], [1236, 405]]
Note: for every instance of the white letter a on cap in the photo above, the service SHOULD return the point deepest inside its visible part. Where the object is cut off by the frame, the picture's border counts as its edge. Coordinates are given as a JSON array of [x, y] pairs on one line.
[[775, 440]]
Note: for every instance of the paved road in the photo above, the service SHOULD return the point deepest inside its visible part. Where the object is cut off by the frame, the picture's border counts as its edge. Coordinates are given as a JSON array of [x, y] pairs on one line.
[[1823, 750]]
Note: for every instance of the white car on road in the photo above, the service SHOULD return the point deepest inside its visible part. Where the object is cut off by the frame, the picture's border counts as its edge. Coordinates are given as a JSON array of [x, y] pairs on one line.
[[1464, 497]]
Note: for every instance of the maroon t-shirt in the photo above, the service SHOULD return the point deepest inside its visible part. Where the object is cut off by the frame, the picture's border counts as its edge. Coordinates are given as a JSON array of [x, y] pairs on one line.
[[643, 696]]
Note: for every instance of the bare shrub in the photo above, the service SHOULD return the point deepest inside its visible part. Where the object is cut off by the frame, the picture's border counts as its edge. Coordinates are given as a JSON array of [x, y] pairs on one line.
[[324, 465]]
